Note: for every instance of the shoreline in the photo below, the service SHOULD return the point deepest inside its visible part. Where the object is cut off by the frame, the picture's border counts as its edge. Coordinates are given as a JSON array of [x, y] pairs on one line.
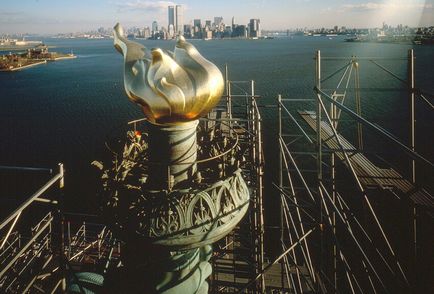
[[5, 48], [38, 62], [63, 57], [22, 67]]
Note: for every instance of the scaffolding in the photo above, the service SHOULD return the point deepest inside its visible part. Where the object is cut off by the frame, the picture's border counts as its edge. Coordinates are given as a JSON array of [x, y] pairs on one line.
[[337, 188], [334, 192], [26, 254], [74, 244], [45, 255], [239, 257]]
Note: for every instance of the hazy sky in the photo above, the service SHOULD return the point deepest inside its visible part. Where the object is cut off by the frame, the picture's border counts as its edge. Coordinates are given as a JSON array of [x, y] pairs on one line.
[[44, 16]]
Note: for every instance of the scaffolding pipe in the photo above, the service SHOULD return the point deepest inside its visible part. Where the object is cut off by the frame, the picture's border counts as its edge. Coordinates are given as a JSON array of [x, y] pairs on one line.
[[25, 247], [307, 253], [411, 114], [279, 109], [322, 188], [30, 200], [362, 190], [318, 114], [340, 201], [10, 230], [376, 128], [294, 256], [268, 267]]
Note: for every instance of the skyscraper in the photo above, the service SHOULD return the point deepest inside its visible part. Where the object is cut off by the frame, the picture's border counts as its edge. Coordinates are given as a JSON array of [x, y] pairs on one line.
[[197, 28], [146, 32], [255, 28], [179, 20], [197, 23], [172, 16], [176, 20], [218, 20], [154, 26]]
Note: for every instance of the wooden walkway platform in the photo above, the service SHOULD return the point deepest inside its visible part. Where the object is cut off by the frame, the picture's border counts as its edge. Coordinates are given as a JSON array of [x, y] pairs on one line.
[[368, 173]]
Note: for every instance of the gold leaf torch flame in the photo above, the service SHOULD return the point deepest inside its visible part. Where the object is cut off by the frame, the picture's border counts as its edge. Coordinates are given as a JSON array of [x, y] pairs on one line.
[[170, 87]]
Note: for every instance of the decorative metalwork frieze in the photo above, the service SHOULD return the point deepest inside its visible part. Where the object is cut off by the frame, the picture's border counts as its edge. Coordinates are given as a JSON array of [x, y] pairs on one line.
[[184, 218]]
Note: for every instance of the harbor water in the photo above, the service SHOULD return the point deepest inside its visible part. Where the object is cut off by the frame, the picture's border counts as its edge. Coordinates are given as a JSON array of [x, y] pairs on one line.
[[64, 111]]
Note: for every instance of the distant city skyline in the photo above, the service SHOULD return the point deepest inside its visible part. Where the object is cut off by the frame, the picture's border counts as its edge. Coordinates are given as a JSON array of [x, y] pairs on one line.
[[61, 16]]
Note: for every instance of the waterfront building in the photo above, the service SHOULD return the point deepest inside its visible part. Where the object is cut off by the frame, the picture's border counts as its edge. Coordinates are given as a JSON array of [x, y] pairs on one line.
[[179, 20], [197, 28], [255, 28], [171, 31], [176, 20], [208, 23], [154, 26], [160, 34], [146, 32], [227, 32], [197, 23], [188, 31], [172, 15], [239, 31], [208, 34], [218, 20], [218, 23]]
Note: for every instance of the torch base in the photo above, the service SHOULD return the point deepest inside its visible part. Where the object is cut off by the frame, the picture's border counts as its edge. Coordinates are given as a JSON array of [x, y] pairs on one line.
[[172, 153]]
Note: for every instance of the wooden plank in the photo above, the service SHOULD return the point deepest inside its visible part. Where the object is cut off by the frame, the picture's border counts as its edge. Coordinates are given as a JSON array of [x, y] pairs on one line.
[[423, 198], [369, 174]]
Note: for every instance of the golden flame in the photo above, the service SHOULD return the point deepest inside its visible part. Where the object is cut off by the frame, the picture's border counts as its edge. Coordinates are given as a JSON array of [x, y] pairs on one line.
[[171, 87]]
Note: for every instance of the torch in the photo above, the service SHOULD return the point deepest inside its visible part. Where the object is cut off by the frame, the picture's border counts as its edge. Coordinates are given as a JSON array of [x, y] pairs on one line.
[[167, 215]]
